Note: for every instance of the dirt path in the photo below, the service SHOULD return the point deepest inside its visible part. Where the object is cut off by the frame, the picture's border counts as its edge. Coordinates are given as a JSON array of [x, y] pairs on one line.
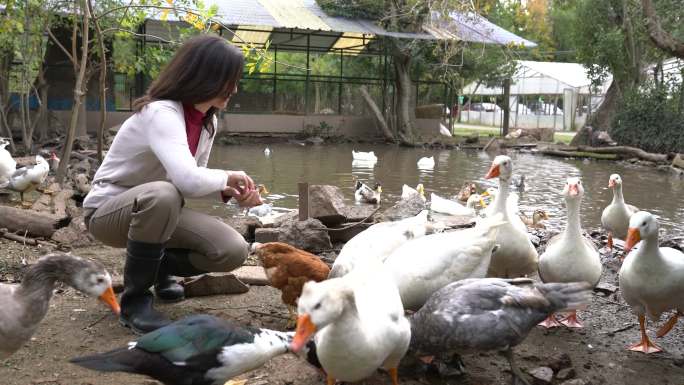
[[76, 325]]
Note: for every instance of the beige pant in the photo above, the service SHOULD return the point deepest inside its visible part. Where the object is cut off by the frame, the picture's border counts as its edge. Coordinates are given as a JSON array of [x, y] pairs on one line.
[[154, 213]]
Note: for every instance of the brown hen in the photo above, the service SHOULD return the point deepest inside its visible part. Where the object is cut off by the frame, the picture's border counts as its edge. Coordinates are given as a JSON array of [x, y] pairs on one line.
[[288, 269]]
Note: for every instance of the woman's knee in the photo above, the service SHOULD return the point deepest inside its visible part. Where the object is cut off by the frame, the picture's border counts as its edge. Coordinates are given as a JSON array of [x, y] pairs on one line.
[[161, 194], [226, 257]]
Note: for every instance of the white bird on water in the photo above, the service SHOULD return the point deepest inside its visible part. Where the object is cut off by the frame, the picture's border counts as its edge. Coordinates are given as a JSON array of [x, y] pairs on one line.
[[267, 152], [426, 162]]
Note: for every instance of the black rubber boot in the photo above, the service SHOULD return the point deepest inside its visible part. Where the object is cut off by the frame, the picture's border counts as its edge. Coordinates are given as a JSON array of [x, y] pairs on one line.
[[140, 272], [174, 263]]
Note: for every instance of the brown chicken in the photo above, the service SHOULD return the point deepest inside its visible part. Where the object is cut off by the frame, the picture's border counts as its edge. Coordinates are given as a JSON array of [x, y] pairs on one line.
[[288, 269]]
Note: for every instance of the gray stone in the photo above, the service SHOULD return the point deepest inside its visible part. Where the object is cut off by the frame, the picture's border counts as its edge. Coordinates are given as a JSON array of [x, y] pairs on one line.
[[285, 218], [605, 288], [565, 374], [310, 235], [252, 275], [266, 235], [576, 381], [358, 213], [246, 226], [214, 284], [678, 161], [559, 361], [403, 209], [541, 376], [326, 203]]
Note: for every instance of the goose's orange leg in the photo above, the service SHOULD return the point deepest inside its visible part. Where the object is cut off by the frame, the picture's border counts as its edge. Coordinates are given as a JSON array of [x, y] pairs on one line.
[[550, 322], [610, 241], [645, 346], [668, 325], [330, 381], [394, 375], [571, 321]]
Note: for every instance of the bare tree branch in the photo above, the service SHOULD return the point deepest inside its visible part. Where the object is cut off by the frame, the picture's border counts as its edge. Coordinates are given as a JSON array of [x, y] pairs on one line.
[[661, 38]]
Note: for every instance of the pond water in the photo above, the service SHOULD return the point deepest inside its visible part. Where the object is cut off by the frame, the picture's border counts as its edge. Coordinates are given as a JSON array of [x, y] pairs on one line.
[[289, 164]]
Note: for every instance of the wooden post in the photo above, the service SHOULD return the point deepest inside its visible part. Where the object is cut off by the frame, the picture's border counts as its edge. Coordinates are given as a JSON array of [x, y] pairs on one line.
[[506, 105], [303, 201]]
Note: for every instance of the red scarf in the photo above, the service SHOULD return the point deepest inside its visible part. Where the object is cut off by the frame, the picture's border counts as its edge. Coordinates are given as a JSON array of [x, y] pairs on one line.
[[193, 126]]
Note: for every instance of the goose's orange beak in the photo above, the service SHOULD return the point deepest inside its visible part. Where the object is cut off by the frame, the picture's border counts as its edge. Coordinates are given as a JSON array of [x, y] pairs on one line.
[[633, 237], [109, 298], [493, 172], [305, 329]]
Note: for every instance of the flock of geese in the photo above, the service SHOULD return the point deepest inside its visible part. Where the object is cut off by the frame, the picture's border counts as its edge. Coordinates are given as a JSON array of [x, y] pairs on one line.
[[23, 179], [396, 288]]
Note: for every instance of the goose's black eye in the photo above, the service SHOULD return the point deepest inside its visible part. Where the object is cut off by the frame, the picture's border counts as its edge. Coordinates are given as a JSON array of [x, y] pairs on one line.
[[317, 306], [100, 280], [579, 182], [644, 224]]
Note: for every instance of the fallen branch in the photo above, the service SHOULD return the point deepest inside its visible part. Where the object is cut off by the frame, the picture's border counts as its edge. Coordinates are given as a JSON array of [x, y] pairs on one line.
[[266, 314], [577, 154], [36, 223], [627, 151], [25, 240]]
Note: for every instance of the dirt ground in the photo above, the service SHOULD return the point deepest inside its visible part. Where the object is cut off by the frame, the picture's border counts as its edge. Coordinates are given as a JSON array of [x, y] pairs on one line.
[[76, 325]]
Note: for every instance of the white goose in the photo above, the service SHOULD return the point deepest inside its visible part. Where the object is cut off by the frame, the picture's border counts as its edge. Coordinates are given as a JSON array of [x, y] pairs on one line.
[[407, 191], [444, 130], [426, 163], [28, 178], [651, 278], [516, 256], [7, 164], [378, 242], [569, 256], [364, 156], [424, 265], [615, 217], [447, 206], [358, 322]]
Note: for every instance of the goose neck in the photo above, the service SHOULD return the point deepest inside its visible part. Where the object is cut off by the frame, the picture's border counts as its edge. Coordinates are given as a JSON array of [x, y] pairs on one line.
[[574, 227], [617, 194]]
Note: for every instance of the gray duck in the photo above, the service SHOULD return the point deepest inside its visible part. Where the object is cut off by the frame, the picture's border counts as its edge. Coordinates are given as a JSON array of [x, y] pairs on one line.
[[23, 307]]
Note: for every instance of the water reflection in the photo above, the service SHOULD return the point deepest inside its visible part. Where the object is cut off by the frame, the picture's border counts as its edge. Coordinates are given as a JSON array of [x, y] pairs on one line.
[[289, 164]]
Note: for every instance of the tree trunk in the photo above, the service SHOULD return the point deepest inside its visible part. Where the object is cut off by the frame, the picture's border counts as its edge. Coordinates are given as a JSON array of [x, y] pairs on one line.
[[79, 94], [603, 116], [40, 124], [33, 223], [384, 128], [405, 125], [103, 85], [661, 38]]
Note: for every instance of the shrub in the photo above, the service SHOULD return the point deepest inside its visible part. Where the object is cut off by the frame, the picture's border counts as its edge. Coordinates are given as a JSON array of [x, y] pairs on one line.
[[651, 118]]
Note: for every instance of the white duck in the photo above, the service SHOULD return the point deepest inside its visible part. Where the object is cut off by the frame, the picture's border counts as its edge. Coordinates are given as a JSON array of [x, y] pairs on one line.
[[358, 322], [569, 256], [407, 191], [378, 242], [28, 178], [364, 156], [444, 130], [447, 206], [516, 256], [426, 162], [477, 315], [615, 217], [267, 152], [7, 164], [24, 306], [365, 194], [651, 278], [424, 265]]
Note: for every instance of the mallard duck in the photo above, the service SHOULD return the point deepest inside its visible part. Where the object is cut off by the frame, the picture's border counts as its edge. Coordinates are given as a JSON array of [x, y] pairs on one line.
[[444, 258], [426, 162], [7, 164], [364, 156], [535, 222], [569, 256], [28, 178], [407, 191], [363, 193], [615, 217], [651, 278], [197, 350], [516, 255], [446, 206], [378, 242], [476, 315], [466, 191], [358, 322], [287, 269], [24, 306]]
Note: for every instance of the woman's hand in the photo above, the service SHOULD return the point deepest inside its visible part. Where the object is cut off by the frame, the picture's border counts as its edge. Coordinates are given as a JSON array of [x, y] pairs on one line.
[[241, 187]]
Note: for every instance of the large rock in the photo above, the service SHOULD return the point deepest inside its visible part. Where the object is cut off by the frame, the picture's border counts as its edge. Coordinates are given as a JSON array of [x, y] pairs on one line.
[[326, 203], [310, 235], [678, 161], [403, 209]]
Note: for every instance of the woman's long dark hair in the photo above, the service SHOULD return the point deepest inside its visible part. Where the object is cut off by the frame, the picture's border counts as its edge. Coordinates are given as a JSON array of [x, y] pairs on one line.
[[203, 68]]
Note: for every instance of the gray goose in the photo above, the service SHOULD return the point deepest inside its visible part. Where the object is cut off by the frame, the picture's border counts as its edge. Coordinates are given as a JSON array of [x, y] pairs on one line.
[[23, 307], [476, 315]]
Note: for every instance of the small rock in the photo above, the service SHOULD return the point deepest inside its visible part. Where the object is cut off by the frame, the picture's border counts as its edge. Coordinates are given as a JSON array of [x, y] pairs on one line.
[[565, 374], [251, 275], [541, 375], [678, 161], [326, 203], [213, 284], [310, 235], [678, 362], [576, 381], [266, 235], [404, 208], [559, 361], [605, 288]]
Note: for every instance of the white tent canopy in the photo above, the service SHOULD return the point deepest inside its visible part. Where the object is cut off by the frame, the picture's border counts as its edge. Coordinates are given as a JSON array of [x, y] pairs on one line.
[[535, 78]]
